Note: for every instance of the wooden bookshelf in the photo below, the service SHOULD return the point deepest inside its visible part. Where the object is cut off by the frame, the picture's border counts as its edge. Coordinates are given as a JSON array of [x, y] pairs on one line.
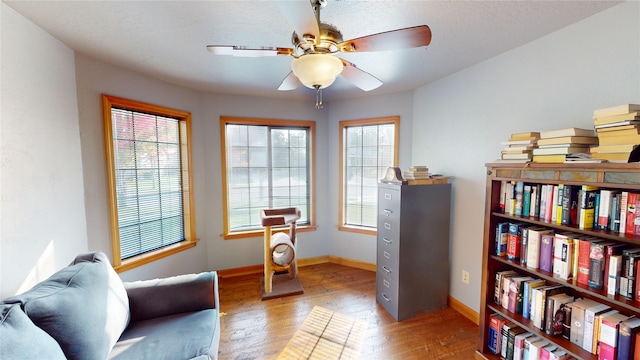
[[625, 177]]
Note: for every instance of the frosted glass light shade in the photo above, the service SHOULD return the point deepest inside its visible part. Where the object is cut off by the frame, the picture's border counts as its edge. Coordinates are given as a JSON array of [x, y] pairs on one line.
[[317, 69]]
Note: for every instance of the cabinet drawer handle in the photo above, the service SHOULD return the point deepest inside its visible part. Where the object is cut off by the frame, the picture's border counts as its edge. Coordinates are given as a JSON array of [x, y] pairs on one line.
[[387, 241], [386, 298], [386, 269], [387, 211]]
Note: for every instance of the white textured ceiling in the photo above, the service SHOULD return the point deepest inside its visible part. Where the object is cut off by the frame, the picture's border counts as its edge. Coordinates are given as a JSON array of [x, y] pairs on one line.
[[167, 39]]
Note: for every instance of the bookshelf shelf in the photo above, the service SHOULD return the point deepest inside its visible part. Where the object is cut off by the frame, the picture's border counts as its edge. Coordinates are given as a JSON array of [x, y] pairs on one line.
[[612, 176]]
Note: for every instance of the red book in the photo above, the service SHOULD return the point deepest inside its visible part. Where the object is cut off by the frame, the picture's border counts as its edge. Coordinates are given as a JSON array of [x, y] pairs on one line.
[[609, 336], [632, 199], [637, 219], [584, 249]]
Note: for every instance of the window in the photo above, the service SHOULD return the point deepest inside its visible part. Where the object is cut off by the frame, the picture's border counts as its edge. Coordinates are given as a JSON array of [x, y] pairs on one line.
[[148, 150], [367, 148], [266, 164]]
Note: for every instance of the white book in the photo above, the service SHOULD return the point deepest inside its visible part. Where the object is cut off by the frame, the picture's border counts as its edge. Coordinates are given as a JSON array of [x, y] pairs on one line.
[[533, 245], [591, 326], [534, 349], [563, 256], [624, 197], [615, 269]]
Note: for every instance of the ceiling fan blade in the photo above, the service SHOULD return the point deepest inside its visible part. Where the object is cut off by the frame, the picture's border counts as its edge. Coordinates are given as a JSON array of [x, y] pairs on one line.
[[391, 40], [243, 51], [290, 82], [300, 16], [359, 78]]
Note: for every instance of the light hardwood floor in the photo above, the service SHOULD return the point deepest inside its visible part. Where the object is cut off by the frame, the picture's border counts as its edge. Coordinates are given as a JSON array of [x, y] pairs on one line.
[[256, 329]]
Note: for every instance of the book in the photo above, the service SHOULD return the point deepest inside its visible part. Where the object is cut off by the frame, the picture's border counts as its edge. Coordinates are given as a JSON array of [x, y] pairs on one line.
[[633, 115], [495, 325], [590, 315], [613, 149], [631, 215], [615, 110], [584, 259], [566, 132], [533, 245], [618, 131], [596, 264], [514, 240], [562, 150], [553, 315], [545, 351], [619, 140], [619, 125], [535, 200], [559, 354], [529, 285], [604, 212], [498, 291], [528, 135], [546, 253], [614, 213], [526, 200], [609, 251], [557, 202], [563, 256], [511, 340], [624, 202], [533, 352], [615, 270], [621, 157], [506, 327], [585, 140], [577, 319], [609, 335], [517, 156], [597, 328], [549, 158], [544, 292], [515, 293], [569, 214], [519, 197], [502, 235], [519, 142], [627, 333], [518, 345], [503, 195], [587, 206]]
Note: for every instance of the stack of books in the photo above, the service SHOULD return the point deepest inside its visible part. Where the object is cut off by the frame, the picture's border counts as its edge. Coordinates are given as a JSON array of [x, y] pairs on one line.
[[618, 130], [555, 145], [416, 173], [519, 146]]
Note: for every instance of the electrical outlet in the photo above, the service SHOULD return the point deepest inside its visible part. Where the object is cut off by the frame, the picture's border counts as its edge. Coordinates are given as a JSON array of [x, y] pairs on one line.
[[465, 277]]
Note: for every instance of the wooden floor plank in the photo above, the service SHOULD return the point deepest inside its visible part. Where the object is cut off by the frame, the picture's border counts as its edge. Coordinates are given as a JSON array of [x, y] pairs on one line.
[[256, 329]]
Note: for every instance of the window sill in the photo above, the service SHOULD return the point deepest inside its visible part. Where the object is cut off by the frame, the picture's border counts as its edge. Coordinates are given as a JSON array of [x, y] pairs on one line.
[[151, 256], [260, 233], [358, 229]]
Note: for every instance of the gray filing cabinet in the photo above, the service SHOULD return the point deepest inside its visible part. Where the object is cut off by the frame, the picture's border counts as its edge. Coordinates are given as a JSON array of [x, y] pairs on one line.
[[412, 275]]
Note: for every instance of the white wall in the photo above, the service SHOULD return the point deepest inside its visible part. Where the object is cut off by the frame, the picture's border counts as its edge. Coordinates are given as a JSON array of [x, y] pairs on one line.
[[351, 245], [42, 222], [552, 83], [212, 252]]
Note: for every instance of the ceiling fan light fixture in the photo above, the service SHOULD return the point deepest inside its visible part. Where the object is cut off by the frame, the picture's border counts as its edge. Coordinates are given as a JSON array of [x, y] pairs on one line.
[[317, 71]]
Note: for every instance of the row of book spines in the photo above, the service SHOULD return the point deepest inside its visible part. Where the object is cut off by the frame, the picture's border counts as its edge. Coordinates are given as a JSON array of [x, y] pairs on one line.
[[536, 247], [512, 342], [585, 206], [557, 313], [592, 261], [603, 331]]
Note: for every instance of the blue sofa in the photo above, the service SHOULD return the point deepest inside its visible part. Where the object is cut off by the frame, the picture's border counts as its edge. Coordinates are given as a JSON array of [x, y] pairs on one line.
[[85, 311]]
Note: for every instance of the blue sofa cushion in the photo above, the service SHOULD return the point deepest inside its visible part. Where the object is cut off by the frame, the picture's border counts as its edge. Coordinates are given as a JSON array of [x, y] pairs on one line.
[[179, 336], [83, 306], [21, 339]]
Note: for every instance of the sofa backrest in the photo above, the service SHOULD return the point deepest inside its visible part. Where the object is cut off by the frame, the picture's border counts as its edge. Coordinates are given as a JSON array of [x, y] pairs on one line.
[[21, 339], [83, 306]]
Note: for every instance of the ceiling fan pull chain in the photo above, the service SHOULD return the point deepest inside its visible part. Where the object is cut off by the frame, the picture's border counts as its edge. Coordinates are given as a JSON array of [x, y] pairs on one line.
[[318, 97]]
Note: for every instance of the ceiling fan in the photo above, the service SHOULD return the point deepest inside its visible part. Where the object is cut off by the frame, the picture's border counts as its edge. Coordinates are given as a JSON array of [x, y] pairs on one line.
[[315, 45]]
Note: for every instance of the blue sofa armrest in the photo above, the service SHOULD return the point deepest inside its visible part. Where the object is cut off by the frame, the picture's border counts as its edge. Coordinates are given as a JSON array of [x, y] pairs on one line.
[[183, 293]]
